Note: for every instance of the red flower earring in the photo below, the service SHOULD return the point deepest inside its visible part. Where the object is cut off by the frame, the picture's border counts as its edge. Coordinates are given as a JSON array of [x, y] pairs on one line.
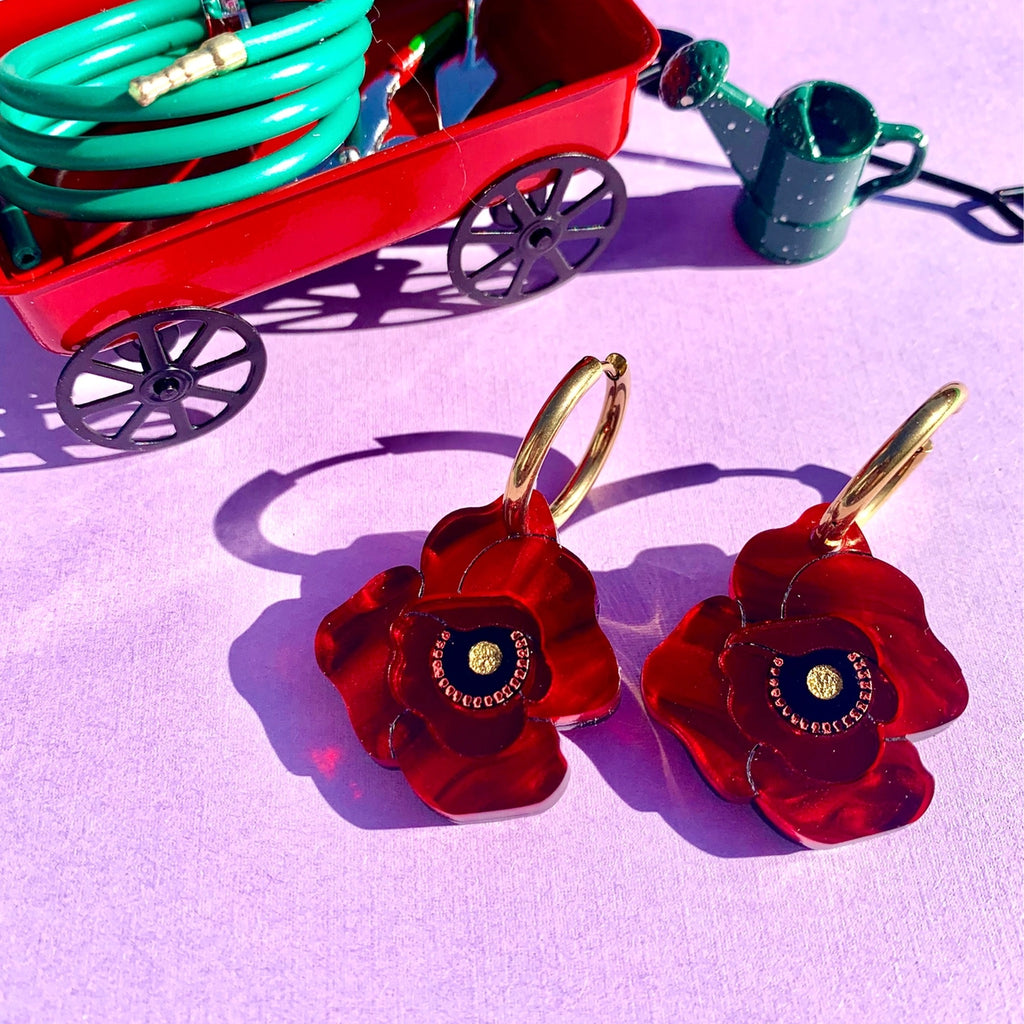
[[800, 693], [460, 673]]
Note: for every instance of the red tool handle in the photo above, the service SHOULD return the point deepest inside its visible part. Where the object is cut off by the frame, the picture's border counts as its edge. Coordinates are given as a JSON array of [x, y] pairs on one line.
[[406, 61]]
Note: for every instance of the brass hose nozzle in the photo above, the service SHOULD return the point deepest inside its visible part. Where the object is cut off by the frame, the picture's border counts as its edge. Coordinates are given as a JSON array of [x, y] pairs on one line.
[[221, 53]]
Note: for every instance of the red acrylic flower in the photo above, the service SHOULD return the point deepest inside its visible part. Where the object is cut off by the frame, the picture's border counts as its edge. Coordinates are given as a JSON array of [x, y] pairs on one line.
[[799, 693], [460, 673]]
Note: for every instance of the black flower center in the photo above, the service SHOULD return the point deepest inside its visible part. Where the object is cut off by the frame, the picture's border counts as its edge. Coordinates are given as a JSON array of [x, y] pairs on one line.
[[823, 692], [480, 668]]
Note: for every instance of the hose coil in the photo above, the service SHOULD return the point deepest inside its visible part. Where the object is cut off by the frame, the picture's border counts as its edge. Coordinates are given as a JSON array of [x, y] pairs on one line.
[[305, 64]]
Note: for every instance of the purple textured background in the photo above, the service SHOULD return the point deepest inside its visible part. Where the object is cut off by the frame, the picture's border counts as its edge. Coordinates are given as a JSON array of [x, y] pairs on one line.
[[188, 830]]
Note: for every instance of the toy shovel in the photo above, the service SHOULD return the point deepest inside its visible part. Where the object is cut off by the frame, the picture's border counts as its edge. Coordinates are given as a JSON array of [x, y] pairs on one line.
[[374, 121], [463, 81]]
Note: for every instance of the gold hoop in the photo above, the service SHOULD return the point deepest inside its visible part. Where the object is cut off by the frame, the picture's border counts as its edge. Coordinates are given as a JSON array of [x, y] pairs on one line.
[[541, 436], [869, 489]]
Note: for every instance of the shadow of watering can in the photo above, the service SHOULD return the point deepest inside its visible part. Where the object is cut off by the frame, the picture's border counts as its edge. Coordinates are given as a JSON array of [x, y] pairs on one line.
[[800, 161]]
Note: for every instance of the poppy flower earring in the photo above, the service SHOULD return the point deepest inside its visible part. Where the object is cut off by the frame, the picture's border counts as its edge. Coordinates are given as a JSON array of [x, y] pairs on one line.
[[800, 692], [461, 672]]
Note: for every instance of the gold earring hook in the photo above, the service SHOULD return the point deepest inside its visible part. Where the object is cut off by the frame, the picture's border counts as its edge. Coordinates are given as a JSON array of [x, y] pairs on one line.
[[869, 489], [541, 436]]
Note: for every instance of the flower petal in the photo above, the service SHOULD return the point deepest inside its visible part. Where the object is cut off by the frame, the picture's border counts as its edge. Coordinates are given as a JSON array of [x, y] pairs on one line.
[[894, 793], [472, 732], [802, 636], [769, 560], [684, 690], [560, 594], [461, 535], [887, 606], [352, 649], [524, 778], [838, 757], [885, 701]]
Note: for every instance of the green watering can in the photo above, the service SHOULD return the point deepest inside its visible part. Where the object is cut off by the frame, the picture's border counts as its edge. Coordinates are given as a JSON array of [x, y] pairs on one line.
[[801, 161]]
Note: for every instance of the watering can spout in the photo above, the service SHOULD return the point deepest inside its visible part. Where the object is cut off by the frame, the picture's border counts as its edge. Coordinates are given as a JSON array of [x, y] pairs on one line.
[[694, 77]]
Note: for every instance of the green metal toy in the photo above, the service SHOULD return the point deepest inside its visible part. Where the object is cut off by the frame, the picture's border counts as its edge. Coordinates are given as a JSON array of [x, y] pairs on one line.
[[800, 161]]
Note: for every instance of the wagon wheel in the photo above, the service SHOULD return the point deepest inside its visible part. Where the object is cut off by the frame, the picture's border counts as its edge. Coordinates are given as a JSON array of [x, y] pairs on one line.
[[161, 378], [131, 351], [518, 238]]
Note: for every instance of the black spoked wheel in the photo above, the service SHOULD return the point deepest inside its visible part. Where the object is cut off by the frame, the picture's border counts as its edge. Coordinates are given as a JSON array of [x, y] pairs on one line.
[[535, 228], [161, 378]]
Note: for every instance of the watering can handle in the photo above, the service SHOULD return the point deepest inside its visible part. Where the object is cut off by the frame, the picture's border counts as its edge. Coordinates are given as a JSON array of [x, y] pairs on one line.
[[895, 133]]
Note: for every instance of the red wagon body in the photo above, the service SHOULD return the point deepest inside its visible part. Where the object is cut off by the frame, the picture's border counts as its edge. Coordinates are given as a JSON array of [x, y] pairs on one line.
[[580, 58], [595, 47]]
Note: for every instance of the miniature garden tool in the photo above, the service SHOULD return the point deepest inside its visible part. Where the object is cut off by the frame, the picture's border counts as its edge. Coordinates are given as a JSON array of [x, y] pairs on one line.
[[17, 236], [225, 16], [801, 161], [464, 80], [374, 121]]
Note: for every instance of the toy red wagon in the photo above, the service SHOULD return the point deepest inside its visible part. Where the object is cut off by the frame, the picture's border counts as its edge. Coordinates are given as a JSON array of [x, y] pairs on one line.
[[155, 359]]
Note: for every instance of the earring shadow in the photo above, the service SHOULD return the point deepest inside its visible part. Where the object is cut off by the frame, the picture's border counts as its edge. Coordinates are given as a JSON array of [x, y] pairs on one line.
[[640, 604], [273, 668], [272, 664], [644, 763]]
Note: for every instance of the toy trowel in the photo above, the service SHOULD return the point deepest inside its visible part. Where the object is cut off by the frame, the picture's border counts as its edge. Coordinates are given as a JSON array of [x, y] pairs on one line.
[[374, 123], [463, 81]]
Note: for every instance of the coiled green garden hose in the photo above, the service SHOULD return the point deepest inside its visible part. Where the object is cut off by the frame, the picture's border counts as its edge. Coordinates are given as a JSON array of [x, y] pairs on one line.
[[305, 64]]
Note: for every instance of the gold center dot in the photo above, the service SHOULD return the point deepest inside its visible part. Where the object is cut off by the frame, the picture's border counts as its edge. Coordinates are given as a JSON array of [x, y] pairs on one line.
[[824, 682], [484, 658]]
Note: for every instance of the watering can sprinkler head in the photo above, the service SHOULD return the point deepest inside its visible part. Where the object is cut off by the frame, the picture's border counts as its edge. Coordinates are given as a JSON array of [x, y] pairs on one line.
[[694, 78], [693, 74]]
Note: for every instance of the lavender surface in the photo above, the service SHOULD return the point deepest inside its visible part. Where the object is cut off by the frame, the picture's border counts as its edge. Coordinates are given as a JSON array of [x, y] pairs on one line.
[[189, 830]]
